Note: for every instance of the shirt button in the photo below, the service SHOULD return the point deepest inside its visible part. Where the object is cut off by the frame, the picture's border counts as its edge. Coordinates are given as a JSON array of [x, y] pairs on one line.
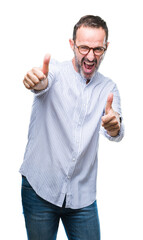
[[68, 177], [73, 159]]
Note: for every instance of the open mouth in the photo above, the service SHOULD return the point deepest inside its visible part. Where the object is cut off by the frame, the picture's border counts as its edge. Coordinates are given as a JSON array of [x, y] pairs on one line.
[[89, 67]]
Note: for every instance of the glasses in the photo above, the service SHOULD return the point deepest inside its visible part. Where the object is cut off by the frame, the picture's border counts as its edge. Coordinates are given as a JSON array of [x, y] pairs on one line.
[[84, 50]]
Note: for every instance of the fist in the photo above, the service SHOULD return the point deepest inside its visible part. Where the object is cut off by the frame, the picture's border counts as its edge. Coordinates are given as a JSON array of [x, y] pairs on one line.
[[111, 120], [36, 78]]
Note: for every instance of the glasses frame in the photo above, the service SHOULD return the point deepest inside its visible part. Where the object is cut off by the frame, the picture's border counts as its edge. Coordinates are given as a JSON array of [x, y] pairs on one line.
[[89, 49]]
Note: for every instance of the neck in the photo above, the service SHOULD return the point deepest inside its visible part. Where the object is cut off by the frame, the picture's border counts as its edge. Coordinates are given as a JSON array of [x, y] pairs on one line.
[[87, 81]]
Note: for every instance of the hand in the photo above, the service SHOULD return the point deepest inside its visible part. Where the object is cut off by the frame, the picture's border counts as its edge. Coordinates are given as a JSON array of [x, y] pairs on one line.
[[37, 77], [111, 120]]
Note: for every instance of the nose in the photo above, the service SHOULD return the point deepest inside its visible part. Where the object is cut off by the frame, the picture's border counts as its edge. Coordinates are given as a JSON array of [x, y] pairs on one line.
[[91, 55]]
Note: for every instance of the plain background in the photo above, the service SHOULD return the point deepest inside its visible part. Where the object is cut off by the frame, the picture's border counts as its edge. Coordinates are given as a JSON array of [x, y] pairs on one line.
[[29, 29]]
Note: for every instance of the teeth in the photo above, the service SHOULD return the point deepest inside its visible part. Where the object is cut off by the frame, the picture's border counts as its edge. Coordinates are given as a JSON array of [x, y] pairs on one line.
[[89, 64]]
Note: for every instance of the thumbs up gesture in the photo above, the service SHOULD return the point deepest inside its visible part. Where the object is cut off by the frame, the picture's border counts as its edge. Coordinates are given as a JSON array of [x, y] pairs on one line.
[[111, 120], [37, 77]]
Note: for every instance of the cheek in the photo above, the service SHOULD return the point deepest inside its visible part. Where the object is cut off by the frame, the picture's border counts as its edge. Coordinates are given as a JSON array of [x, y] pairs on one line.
[[79, 58], [101, 58]]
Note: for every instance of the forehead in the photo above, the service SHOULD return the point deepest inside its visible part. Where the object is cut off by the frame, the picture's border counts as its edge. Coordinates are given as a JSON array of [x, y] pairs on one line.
[[90, 36]]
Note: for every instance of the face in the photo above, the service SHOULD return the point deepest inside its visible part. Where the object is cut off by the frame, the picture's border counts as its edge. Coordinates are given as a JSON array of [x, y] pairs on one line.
[[88, 64]]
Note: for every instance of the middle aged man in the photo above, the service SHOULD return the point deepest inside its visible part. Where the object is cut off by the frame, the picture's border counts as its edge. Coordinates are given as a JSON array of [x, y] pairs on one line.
[[72, 103]]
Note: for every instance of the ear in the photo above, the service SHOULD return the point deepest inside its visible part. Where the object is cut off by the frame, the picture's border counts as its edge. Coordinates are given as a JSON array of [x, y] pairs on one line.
[[71, 43], [107, 44]]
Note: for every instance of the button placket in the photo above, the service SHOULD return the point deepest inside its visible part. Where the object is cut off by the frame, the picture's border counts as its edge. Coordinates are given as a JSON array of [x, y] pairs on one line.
[[73, 159], [79, 116]]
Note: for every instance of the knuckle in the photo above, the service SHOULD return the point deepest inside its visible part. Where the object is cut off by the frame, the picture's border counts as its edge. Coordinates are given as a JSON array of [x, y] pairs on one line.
[[29, 74], [32, 84], [25, 77], [27, 86], [114, 117], [37, 81], [41, 76]]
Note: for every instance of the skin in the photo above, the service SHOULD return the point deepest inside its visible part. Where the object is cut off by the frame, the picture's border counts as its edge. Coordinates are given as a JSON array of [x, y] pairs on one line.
[[91, 37], [37, 79], [111, 120]]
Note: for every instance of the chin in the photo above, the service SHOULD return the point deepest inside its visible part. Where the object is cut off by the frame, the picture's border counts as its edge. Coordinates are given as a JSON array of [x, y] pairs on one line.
[[89, 76]]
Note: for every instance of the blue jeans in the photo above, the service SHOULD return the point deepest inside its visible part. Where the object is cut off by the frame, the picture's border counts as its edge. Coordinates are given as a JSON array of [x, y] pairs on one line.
[[42, 218]]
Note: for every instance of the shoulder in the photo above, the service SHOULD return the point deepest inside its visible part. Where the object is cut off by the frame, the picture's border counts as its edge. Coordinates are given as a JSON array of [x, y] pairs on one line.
[[54, 64], [61, 69], [104, 79], [105, 84]]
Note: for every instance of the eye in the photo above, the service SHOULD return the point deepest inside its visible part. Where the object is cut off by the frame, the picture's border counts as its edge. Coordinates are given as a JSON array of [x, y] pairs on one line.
[[98, 49], [83, 49]]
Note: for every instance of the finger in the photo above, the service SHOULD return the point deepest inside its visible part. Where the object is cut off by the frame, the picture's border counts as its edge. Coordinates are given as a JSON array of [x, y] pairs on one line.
[[112, 129], [26, 85], [29, 82], [108, 118], [38, 73], [46, 61], [33, 77], [110, 124], [109, 103]]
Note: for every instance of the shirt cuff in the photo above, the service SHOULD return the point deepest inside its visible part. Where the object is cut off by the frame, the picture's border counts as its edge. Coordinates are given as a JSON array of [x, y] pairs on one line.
[[40, 92]]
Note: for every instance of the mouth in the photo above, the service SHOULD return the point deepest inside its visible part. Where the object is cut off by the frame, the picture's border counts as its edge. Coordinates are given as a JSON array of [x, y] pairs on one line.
[[89, 67]]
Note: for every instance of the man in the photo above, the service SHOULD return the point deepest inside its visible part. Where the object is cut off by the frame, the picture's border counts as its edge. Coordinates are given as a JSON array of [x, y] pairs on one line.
[[72, 103]]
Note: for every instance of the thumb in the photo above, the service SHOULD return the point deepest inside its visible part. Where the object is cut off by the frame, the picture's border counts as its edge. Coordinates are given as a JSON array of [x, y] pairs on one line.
[[46, 61], [109, 103]]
